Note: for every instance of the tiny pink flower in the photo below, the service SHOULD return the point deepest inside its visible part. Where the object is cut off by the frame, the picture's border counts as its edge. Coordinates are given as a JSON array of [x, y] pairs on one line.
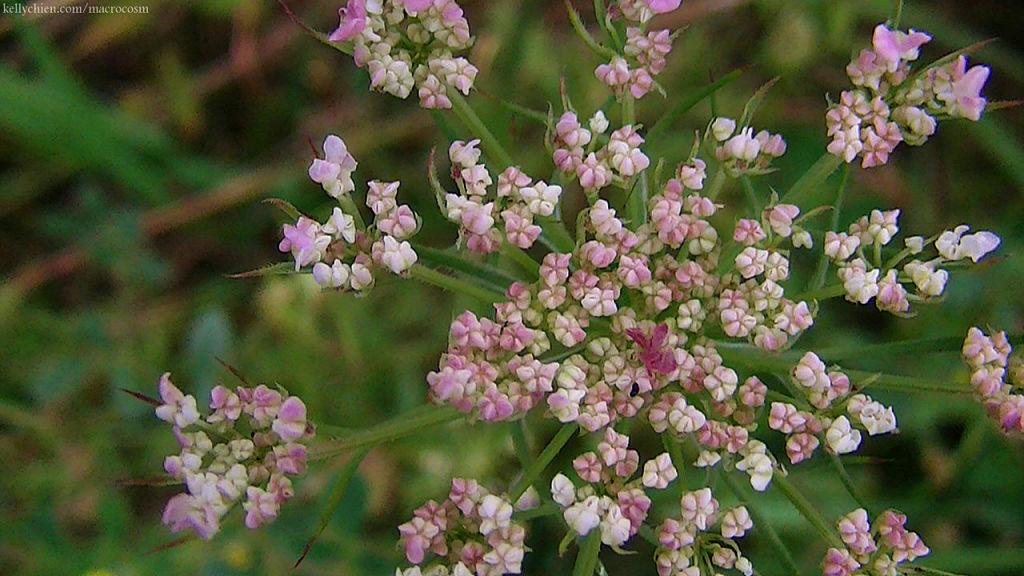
[[353, 21]]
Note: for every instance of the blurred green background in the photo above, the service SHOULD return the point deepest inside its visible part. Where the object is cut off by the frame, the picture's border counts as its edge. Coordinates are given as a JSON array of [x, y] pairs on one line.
[[135, 151]]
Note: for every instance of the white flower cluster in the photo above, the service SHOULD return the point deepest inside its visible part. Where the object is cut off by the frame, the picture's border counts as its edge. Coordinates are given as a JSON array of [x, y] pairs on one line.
[[865, 276]]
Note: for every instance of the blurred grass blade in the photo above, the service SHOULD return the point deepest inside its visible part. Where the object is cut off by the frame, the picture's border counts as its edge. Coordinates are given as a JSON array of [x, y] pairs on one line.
[[337, 493]]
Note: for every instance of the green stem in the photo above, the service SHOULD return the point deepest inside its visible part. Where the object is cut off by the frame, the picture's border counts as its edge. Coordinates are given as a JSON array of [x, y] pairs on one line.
[[401, 426], [716, 185], [812, 180], [555, 235], [581, 31], [521, 258], [586, 559], [824, 293], [897, 14], [519, 443], [782, 363], [352, 210], [453, 284], [821, 273], [542, 461], [477, 127], [763, 526], [905, 347], [807, 510], [456, 261], [751, 194], [844, 477]]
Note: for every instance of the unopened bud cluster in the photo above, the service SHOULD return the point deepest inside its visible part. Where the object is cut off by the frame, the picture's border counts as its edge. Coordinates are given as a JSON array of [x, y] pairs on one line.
[[409, 44], [244, 452], [343, 252], [742, 152], [997, 377], [892, 103], [877, 549], [472, 533]]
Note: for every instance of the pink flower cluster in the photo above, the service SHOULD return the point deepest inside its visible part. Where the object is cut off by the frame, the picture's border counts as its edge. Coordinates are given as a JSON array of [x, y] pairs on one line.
[[343, 252], [891, 105], [471, 533], [997, 377], [742, 152], [643, 58], [480, 210], [243, 451], [490, 368], [609, 500], [864, 554], [826, 392], [865, 276], [687, 541], [409, 44], [615, 163]]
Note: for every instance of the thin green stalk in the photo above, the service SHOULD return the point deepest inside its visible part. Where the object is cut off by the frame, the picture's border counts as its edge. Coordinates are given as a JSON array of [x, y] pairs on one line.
[[763, 526], [542, 461], [477, 127], [519, 443], [759, 360], [716, 185], [897, 14], [811, 181], [586, 558], [844, 477], [807, 510], [901, 348], [822, 293], [821, 273], [905, 383], [521, 258], [401, 426], [453, 284], [556, 235], [581, 31], [751, 194], [352, 210], [456, 261]]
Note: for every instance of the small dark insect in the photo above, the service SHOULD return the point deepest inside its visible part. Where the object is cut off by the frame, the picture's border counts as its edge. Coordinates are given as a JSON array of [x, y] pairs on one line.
[[634, 390], [654, 358]]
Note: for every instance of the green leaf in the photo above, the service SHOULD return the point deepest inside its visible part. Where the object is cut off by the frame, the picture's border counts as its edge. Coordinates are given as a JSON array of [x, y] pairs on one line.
[[586, 558], [755, 101], [337, 493], [683, 106]]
